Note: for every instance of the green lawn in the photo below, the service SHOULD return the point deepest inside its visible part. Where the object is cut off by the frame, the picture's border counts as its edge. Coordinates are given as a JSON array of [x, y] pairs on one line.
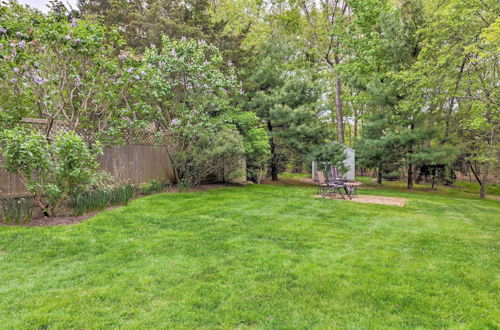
[[459, 188], [259, 257]]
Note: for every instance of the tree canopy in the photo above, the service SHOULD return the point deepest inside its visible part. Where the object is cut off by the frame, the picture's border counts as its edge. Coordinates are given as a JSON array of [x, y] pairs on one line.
[[412, 85]]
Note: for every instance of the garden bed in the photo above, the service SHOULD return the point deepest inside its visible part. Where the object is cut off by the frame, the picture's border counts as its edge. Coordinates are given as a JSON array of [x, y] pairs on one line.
[[66, 219]]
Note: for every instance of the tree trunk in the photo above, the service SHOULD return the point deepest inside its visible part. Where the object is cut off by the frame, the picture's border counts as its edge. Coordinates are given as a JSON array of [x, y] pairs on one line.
[[274, 156], [482, 192], [484, 181], [453, 100], [355, 113], [379, 175], [338, 104], [410, 177], [410, 164], [419, 176]]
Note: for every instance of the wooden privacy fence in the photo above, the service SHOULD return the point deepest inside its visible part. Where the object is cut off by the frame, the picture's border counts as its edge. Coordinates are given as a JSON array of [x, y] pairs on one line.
[[137, 163], [139, 160]]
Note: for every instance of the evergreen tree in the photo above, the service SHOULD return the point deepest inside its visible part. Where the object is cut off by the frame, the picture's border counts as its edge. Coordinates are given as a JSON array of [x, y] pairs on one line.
[[284, 95]]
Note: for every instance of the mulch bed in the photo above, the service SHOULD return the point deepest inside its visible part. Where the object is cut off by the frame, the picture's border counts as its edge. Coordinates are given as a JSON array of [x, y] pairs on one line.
[[396, 201], [59, 221], [73, 220]]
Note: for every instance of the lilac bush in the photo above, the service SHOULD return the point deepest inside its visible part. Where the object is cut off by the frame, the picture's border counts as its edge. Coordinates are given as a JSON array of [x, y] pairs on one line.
[[63, 68], [187, 95]]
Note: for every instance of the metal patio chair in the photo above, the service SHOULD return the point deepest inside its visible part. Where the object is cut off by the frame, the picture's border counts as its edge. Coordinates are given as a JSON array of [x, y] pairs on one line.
[[328, 188]]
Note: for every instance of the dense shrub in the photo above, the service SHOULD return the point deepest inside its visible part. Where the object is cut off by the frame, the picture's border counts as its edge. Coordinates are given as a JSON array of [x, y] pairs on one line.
[[187, 92], [53, 170], [391, 176], [256, 143], [151, 187], [217, 153]]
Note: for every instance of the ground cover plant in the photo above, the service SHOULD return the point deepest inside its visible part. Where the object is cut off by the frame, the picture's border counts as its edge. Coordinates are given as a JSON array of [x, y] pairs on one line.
[[16, 210], [100, 198], [153, 186], [259, 257]]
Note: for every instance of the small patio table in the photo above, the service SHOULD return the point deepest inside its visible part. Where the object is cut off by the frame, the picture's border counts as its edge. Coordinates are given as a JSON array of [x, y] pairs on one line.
[[350, 188]]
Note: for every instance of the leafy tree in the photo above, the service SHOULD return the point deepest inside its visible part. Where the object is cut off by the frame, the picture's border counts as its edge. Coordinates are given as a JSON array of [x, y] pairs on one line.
[[326, 21], [455, 78], [144, 22]]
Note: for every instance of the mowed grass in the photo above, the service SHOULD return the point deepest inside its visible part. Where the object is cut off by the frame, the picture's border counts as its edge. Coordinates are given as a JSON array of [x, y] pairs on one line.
[[458, 189], [258, 257]]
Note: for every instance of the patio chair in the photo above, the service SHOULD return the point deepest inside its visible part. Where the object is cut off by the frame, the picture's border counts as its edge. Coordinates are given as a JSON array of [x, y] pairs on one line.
[[334, 173], [328, 188]]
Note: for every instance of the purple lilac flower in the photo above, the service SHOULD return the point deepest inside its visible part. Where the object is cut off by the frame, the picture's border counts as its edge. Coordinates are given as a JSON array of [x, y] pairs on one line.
[[153, 46], [2, 30], [73, 23], [161, 64], [67, 37], [38, 80], [130, 70], [137, 78], [183, 38], [173, 53], [36, 65], [13, 80], [149, 66], [16, 70], [122, 57], [13, 44], [143, 73], [77, 79], [77, 40], [22, 44], [174, 121]]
